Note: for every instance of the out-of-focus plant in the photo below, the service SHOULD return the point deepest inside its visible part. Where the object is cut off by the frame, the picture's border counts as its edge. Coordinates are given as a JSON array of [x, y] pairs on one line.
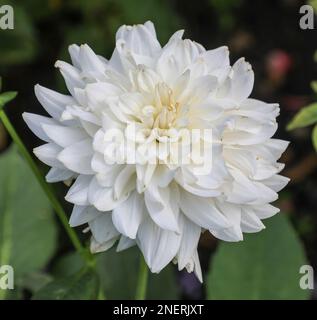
[[313, 3], [260, 267], [6, 97], [225, 12], [307, 116], [18, 45], [98, 20], [22, 222]]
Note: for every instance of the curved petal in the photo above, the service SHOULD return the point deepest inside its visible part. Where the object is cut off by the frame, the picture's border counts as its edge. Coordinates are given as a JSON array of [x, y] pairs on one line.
[[64, 136], [190, 237], [158, 246], [48, 154], [78, 192], [102, 197], [242, 81], [202, 211], [125, 243], [158, 203], [53, 102], [77, 157], [82, 214], [56, 175], [140, 39], [102, 228], [35, 122], [96, 246], [128, 215]]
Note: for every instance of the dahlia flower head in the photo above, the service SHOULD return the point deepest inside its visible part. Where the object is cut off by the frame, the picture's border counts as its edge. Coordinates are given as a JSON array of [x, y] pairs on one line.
[[153, 96]]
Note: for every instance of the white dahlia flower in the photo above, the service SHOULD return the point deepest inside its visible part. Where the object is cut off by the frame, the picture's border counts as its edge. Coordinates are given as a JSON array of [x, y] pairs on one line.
[[153, 95]]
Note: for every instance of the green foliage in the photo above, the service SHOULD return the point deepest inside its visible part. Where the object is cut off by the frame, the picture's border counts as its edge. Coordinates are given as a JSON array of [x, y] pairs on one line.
[[225, 12], [305, 117], [18, 45], [83, 285], [7, 97], [95, 23], [314, 137], [111, 14], [118, 274], [27, 228], [35, 281], [313, 3], [314, 86], [264, 266], [119, 271]]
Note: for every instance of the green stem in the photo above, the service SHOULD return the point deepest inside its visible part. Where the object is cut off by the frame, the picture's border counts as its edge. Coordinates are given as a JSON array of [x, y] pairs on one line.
[[101, 294], [142, 280], [47, 189]]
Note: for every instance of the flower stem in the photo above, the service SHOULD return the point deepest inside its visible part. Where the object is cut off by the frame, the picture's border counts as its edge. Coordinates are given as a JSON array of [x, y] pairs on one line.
[[47, 189], [142, 280], [101, 294]]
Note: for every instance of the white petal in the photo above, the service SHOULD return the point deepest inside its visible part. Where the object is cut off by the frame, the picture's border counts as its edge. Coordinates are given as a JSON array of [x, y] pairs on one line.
[[233, 214], [245, 190], [216, 58], [158, 203], [102, 197], [202, 211], [102, 228], [82, 214], [48, 153], [125, 243], [56, 175], [250, 222], [96, 246], [71, 76], [277, 147], [64, 136], [78, 192], [197, 267], [53, 102], [90, 63], [190, 237], [242, 80], [158, 246], [265, 211], [128, 215], [276, 182], [139, 39], [35, 122], [74, 55], [77, 157], [125, 182]]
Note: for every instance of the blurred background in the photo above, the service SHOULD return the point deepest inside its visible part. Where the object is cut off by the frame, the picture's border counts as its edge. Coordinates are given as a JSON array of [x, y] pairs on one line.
[[266, 32]]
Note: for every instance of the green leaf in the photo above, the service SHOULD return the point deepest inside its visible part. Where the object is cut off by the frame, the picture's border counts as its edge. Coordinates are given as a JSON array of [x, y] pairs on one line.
[[67, 265], [163, 285], [119, 271], [27, 227], [305, 117], [7, 97], [314, 86], [264, 266], [35, 281], [83, 285], [314, 137]]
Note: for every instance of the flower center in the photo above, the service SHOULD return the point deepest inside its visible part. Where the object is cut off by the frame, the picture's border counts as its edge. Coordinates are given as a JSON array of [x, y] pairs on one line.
[[163, 113], [166, 117]]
